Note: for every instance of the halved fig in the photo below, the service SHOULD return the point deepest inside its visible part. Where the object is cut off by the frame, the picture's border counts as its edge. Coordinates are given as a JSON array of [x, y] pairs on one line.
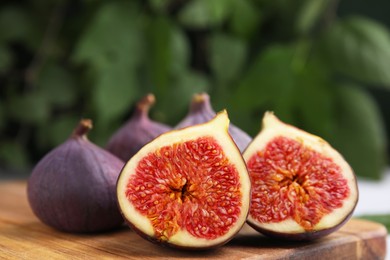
[[188, 188], [302, 188]]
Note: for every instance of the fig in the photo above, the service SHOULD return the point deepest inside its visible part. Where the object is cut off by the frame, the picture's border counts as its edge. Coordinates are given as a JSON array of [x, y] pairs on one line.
[[73, 187], [188, 188], [302, 188], [137, 131], [200, 111]]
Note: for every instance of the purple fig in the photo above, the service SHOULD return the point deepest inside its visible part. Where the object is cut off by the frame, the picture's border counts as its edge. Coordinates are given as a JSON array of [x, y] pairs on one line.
[[72, 188], [137, 131], [200, 111]]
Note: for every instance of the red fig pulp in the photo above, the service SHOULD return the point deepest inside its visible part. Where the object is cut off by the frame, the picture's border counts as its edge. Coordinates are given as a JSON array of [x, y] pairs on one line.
[[137, 131], [200, 111], [73, 187]]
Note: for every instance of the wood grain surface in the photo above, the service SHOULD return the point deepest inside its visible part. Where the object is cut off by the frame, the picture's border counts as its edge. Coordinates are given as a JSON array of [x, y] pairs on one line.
[[23, 236]]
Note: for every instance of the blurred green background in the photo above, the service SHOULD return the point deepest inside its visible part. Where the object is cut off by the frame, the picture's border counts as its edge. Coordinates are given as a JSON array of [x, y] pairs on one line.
[[322, 65]]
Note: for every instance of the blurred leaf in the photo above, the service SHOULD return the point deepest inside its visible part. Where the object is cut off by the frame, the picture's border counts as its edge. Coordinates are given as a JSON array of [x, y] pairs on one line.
[[113, 35], [115, 91], [359, 48], [359, 133], [227, 67], [204, 13], [57, 85], [56, 130], [160, 52], [384, 219], [5, 58], [268, 81], [180, 50], [113, 46], [16, 24], [28, 108], [13, 154], [159, 5], [314, 99], [245, 18], [170, 107], [309, 14], [61, 128], [2, 117]]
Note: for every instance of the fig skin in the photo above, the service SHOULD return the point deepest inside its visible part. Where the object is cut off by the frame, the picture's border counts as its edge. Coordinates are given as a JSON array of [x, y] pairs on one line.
[[137, 131], [73, 187], [184, 240], [200, 111], [334, 217]]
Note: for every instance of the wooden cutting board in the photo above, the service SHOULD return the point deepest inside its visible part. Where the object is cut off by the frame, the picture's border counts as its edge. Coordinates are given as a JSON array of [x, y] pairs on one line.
[[23, 236]]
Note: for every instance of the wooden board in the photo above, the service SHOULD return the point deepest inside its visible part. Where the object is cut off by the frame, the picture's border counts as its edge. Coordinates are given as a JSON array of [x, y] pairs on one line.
[[23, 236]]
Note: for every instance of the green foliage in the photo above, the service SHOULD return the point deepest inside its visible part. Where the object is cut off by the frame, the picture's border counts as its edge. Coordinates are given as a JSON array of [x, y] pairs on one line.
[[310, 12], [204, 13], [226, 68], [360, 48], [297, 58], [365, 146]]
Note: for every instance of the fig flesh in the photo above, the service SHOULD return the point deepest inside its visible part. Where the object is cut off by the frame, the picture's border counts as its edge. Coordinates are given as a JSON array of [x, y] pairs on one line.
[[72, 188], [200, 111], [137, 131], [188, 188], [302, 188]]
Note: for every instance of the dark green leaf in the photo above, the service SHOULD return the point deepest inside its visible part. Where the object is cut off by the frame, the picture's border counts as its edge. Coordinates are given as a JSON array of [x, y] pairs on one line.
[[29, 108], [55, 131], [359, 48], [16, 24], [309, 14], [113, 35], [2, 117], [180, 51], [159, 5], [314, 100], [13, 155], [113, 48], [5, 58], [204, 13], [384, 219], [115, 91], [58, 85], [245, 18], [174, 103], [359, 134], [268, 81], [160, 52], [227, 57], [61, 129]]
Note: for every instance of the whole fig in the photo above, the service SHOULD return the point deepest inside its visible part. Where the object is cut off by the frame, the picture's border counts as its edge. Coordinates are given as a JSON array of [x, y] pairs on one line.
[[72, 188], [200, 111], [137, 131]]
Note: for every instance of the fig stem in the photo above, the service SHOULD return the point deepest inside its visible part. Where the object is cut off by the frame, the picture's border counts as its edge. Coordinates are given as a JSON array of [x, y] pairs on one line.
[[200, 101], [144, 105], [82, 128]]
